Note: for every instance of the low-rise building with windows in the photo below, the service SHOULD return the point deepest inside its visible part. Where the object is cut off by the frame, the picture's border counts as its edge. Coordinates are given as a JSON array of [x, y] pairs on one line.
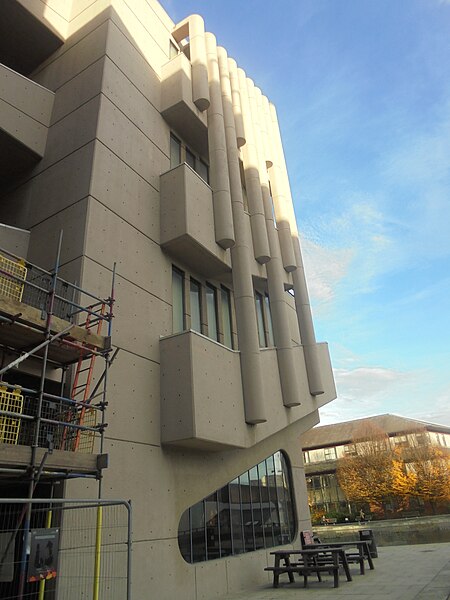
[[324, 445]]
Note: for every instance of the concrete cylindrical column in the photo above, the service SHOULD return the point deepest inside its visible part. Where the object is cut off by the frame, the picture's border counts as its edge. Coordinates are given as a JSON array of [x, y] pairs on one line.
[[200, 94], [252, 180], [220, 183], [194, 28], [280, 202], [277, 293], [251, 369], [236, 101], [302, 304], [267, 148]]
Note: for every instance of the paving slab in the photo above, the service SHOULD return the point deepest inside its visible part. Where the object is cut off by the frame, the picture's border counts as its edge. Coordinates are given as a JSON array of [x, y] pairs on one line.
[[407, 572]]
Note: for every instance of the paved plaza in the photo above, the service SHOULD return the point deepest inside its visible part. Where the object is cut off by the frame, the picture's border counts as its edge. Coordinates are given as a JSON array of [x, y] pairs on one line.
[[415, 572]]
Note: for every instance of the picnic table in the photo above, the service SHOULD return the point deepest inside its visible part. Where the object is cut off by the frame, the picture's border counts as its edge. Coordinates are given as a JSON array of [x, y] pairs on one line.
[[363, 547], [312, 560]]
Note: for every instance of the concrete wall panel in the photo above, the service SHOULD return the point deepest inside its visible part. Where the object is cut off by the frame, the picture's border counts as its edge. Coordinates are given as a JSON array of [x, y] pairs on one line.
[[130, 144], [72, 221], [52, 190], [129, 60], [133, 411], [125, 193], [78, 90], [135, 105], [138, 258], [70, 61]]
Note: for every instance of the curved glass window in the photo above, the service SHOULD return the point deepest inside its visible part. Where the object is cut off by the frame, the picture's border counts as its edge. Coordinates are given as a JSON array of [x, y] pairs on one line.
[[253, 511]]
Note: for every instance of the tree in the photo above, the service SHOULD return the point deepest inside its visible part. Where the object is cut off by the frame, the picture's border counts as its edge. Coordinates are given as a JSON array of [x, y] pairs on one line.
[[366, 476], [429, 470]]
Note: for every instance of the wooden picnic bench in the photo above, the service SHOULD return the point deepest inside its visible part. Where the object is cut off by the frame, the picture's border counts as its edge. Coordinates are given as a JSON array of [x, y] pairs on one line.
[[363, 549], [312, 561]]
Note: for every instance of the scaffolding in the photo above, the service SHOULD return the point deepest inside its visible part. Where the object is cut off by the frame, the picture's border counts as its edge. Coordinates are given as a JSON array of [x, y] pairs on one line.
[[58, 325], [49, 435]]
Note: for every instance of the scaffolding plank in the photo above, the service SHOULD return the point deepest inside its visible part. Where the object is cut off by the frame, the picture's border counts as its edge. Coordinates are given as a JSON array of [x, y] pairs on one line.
[[34, 317], [59, 460]]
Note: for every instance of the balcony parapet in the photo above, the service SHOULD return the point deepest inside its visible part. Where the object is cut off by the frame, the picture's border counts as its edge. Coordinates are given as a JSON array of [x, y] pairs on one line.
[[201, 394], [177, 106], [187, 222], [25, 112]]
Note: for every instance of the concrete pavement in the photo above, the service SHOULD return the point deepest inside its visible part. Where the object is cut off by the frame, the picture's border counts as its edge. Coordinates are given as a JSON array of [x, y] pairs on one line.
[[414, 572]]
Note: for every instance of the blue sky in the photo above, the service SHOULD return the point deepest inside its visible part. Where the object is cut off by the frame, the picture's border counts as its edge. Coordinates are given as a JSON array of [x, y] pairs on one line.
[[362, 90]]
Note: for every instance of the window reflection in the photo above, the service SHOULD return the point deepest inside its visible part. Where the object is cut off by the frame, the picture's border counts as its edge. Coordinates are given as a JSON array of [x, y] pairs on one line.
[[253, 511]]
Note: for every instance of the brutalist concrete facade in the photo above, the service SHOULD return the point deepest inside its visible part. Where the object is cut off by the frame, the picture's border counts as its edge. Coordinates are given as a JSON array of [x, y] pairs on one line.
[[94, 90]]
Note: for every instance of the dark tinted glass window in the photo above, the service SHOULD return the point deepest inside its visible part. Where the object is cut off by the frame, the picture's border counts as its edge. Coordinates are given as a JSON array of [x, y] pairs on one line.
[[195, 295], [175, 151], [211, 311], [190, 158], [253, 511]]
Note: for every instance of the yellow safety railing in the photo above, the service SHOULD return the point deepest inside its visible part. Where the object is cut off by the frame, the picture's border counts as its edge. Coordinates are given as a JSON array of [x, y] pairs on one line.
[[8, 286], [9, 426]]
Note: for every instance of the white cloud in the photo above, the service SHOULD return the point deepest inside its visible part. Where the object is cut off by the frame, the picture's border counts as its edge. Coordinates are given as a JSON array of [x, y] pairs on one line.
[[365, 391]]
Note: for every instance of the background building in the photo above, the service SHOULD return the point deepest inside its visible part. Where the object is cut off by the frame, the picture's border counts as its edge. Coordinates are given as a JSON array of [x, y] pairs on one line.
[[323, 446], [150, 148]]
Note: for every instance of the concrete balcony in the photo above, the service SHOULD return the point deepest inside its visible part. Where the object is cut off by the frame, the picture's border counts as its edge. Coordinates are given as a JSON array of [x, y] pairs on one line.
[[25, 111], [177, 106], [187, 222], [201, 394], [29, 33]]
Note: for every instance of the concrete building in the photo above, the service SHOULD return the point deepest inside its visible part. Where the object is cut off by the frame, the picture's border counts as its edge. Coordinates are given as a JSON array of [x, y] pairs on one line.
[[150, 148], [323, 446]]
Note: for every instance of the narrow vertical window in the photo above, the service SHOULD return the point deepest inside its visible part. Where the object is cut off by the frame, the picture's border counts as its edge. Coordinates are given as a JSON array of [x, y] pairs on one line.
[[175, 151], [177, 301], [270, 338], [190, 158], [195, 297], [173, 50], [226, 317], [211, 311], [260, 320], [202, 169]]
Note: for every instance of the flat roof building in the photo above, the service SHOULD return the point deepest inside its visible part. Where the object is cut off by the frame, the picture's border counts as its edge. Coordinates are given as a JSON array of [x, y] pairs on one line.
[[151, 149]]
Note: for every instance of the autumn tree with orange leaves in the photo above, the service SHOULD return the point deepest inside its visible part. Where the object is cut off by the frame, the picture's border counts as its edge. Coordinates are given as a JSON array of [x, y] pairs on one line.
[[375, 474]]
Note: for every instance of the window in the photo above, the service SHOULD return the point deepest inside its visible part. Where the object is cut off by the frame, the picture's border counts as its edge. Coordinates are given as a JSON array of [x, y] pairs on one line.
[[270, 338], [330, 453], [175, 151], [173, 50], [202, 169], [179, 153], [177, 300], [211, 311], [190, 158], [195, 298], [226, 317], [253, 511], [244, 186], [260, 320]]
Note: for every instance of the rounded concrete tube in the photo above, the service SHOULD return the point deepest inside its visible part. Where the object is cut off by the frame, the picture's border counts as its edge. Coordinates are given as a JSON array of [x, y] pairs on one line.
[[200, 91], [263, 125], [251, 369], [306, 326], [220, 183], [236, 103], [252, 180], [280, 201], [275, 280]]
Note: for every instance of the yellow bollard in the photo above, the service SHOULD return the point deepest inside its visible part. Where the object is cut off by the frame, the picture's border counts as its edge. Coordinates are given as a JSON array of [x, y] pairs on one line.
[[98, 543]]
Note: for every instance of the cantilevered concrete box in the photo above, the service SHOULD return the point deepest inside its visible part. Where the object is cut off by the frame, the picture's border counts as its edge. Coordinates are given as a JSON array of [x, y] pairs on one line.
[[177, 106], [25, 111], [187, 225], [202, 404]]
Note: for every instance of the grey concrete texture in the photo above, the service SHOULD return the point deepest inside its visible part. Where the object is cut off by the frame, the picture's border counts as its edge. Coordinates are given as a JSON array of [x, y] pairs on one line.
[[416, 572]]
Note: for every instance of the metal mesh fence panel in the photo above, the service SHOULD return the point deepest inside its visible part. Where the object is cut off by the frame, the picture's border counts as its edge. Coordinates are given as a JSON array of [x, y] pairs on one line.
[[75, 550]]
